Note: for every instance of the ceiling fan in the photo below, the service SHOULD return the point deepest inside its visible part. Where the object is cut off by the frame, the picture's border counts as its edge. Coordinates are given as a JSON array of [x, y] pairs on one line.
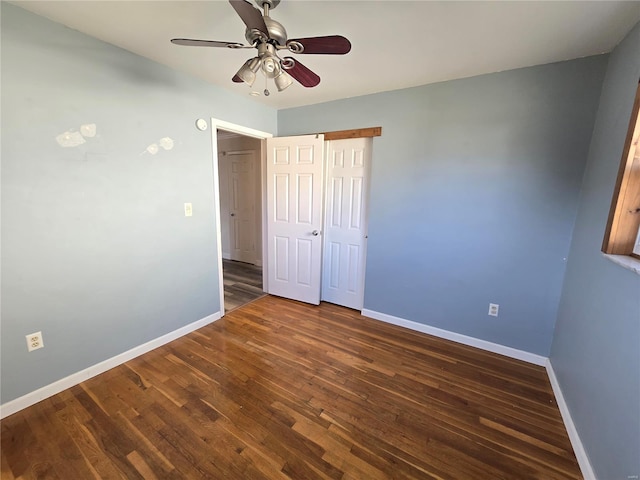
[[269, 37]]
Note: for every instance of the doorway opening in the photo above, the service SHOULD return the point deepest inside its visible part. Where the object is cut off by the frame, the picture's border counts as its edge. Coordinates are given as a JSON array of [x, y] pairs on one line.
[[239, 183], [239, 196]]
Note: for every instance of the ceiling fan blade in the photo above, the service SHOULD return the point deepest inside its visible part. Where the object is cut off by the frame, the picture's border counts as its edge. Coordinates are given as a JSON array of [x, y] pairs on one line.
[[302, 74], [329, 45], [251, 16], [189, 42]]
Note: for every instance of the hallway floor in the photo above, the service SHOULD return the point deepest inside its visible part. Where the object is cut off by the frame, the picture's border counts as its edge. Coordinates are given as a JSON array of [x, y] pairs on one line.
[[242, 283]]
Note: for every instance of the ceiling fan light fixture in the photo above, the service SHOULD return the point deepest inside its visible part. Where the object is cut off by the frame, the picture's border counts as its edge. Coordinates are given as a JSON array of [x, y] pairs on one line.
[[269, 37], [248, 71], [282, 80], [270, 66]]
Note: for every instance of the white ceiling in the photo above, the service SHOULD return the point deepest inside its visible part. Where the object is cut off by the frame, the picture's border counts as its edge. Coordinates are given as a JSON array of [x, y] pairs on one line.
[[395, 44]]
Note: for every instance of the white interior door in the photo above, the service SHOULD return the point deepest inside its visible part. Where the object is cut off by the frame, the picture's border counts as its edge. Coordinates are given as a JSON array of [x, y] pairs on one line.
[[348, 164], [242, 201], [294, 217]]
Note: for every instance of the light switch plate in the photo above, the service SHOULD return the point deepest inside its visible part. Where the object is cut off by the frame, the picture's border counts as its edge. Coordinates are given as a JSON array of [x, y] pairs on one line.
[[188, 210]]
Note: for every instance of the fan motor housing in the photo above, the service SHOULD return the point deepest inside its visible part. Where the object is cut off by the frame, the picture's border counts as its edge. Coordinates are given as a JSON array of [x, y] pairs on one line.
[[276, 32]]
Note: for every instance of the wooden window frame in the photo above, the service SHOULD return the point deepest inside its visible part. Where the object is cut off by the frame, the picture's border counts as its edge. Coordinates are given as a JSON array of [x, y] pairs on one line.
[[624, 215]]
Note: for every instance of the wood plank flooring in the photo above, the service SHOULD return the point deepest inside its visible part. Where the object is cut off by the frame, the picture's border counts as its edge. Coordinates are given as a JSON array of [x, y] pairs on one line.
[[242, 283], [282, 390]]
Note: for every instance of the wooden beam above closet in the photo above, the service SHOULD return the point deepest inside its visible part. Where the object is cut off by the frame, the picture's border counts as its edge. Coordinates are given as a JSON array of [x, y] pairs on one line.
[[356, 133]]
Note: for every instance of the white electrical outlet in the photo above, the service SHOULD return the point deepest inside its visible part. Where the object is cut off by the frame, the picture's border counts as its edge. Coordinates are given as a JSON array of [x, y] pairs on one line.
[[188, 210], [34, 341], [493, 309]]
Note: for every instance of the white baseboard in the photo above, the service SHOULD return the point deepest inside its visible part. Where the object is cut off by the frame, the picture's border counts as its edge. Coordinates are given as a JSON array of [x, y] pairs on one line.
[[459, 338], [576, 443], [47, 391]]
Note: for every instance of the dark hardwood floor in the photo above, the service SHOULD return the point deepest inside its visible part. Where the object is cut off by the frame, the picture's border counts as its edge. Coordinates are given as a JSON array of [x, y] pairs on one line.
[[282, 390], [242, 283]]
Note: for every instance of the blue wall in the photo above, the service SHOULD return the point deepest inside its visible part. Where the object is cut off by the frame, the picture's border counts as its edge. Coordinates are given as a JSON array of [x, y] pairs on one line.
[[596, 347], [475, 187], [96, 251]]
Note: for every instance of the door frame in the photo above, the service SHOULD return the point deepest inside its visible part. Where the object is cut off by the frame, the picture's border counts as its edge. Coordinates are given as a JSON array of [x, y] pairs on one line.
[[249, 132]]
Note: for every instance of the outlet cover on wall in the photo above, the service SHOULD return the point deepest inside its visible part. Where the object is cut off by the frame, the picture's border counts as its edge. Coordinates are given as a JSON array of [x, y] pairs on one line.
[[493, 309], [34, 341]]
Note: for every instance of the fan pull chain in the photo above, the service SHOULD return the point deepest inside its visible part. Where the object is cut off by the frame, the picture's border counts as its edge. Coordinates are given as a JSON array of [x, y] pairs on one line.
[[266, 91]]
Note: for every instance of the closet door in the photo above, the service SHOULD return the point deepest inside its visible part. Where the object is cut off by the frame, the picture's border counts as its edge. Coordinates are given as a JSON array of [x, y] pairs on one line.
[[345, 232], [294, 217]]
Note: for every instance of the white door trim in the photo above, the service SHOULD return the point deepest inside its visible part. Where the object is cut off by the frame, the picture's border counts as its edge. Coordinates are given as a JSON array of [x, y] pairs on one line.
[[249, 132]]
